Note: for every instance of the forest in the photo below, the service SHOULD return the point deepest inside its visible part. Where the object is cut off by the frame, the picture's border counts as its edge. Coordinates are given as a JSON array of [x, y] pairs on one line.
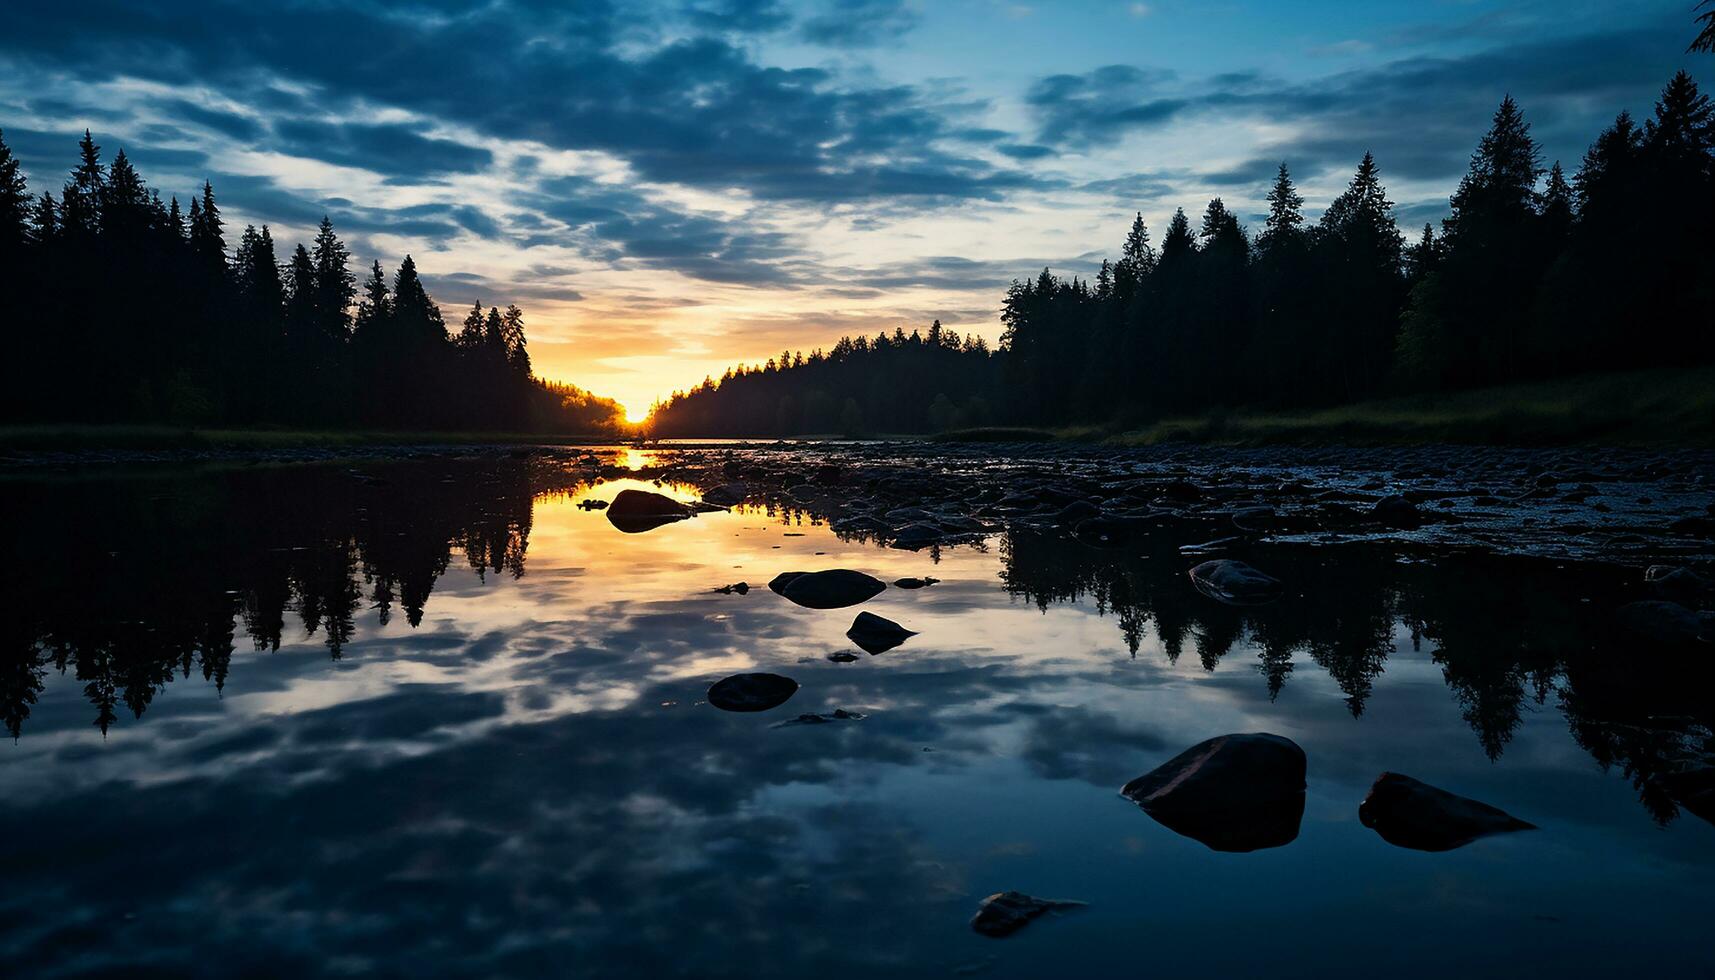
[[157, 321], [1534, 274]]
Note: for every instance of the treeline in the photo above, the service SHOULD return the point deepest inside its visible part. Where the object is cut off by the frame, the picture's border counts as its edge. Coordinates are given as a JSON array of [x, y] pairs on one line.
[[897, 383], [1532, 275], [122, 307]]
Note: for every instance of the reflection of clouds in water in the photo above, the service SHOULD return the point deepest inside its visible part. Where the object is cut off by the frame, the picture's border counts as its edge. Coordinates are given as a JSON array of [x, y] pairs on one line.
[[526, 783]]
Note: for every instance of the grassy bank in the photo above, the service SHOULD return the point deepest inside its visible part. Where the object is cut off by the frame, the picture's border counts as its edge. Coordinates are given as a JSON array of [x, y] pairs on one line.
[[152, 437], [1667, 407]]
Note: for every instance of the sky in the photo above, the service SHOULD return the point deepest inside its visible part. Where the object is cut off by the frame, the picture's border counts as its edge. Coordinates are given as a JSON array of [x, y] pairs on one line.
[[670, 188]]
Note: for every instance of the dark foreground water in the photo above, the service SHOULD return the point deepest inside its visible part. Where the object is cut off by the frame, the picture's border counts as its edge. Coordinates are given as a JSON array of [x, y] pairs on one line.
[[435, 718]]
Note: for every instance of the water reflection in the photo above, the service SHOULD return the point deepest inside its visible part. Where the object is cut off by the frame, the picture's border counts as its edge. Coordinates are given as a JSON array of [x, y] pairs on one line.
[[516, 776]]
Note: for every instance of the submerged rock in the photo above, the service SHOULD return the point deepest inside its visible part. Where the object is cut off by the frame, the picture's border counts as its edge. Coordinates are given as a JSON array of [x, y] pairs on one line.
[[835, 588], [592, 504], [1665, 623], [1675, 583], [738, 588], [1398, 511], [843, 657], [915, 583], [726, 495], [1004, 913], [1235, 583], [1409, 813], [1231, 793], [918, 535], [838, 714], [634, 511], [876, 634], [751, 692]]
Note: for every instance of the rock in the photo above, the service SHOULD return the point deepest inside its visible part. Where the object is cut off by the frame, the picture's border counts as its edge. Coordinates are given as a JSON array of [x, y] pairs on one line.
[[592, 504], [1414, 814], [1674, 583], [915, 583], [740, 588], [1235, 583], [1076, 512], [875, 634], [915, 536], [1182, 491], [634, 511], [842, 657], [752, 692], [1397, 511], [778, 583], [1004, 913], [1232, 793], [1665, 623], [828, 474], [727, 495], [832, 589], [838, 714]]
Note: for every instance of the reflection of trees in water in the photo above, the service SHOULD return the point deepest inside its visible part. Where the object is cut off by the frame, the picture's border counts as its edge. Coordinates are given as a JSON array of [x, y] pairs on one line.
[[1506, 634], [139, 582]]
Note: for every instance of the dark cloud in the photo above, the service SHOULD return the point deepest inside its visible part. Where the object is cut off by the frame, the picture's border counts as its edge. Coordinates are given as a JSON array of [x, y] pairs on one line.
[[859, 23], [231, 124], [388, 148], [1382, 109], [749, 16]]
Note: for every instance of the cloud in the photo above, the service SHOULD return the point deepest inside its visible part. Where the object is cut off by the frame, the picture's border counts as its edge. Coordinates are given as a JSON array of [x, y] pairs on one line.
[[394, 149], [859, 23]]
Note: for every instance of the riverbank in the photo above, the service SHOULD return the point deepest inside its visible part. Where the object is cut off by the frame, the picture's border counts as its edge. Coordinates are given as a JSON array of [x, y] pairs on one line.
[[1662, 407]]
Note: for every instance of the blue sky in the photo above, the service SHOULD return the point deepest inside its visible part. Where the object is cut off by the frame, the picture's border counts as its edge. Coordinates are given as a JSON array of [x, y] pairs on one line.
[[670, 187]]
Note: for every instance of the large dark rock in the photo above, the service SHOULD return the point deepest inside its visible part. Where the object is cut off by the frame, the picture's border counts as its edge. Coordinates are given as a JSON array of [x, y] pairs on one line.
[[633, 511], [1692, 788], [1674, 583], [835, 588], [1409, 813], [1076, 512], [778, 583], [876, 634], [751, 692], [915, 583], [1004, 913], [1232, 793], [1235, 583]]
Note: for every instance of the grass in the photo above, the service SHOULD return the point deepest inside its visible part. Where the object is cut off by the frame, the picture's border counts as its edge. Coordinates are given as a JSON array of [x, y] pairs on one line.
[[153, 437], [1662, 407]]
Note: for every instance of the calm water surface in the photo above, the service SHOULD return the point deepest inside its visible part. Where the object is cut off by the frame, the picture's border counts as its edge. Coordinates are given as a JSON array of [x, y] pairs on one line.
[[436, 718]]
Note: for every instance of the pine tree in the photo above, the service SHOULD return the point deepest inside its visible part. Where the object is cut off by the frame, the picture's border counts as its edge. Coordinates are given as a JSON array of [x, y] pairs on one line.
[[301, 302], [335, 287], [518, 358], [1557, 210], [1179, 243], [45, 220], [1137, 260], [1285, 215], [375, 309], [14, 201], [470, 337], [1501, 184], [80, 200], [207, 232]]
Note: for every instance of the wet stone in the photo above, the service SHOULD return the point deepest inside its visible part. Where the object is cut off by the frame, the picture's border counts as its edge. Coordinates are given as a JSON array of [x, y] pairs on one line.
[[838, 714], [876, 634], [1235, 583], [1413, 814], [752, 692], [1231, 793], [832, 589], [1004, 913]]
